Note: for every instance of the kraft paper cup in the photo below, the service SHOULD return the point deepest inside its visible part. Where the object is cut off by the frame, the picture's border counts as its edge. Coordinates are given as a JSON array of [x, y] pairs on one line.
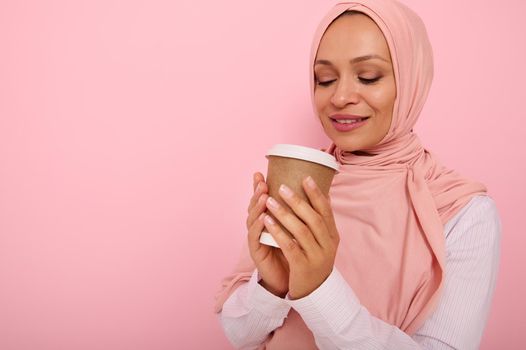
[[289, 165]]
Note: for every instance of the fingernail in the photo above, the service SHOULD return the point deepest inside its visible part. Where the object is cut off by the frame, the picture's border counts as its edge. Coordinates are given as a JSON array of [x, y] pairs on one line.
[[272, 203], [310, 182], [285, 191], [269, 220], [258, 187]]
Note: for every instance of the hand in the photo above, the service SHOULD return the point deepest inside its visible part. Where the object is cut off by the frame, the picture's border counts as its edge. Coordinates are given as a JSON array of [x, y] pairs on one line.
[[312, 250], [270, 262]]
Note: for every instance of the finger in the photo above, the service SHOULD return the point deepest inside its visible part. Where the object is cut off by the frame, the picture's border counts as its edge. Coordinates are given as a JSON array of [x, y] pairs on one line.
[[307, 214], [321, 203], [290, 247], [257, 209], [254, 232], [293, 224], [255, 196], [261, 188], [257, 177]]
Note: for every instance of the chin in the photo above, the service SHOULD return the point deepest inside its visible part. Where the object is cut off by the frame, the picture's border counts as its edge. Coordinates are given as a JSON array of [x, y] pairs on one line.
[[349, 142], [347, 148], [349, 145]]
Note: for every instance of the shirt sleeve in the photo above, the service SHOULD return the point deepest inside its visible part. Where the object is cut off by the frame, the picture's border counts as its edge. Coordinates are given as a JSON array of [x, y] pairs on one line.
[[251, 313], [338, 321]]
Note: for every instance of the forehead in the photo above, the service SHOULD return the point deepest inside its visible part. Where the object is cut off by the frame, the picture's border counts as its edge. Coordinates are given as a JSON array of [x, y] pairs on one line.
[[353, 35]]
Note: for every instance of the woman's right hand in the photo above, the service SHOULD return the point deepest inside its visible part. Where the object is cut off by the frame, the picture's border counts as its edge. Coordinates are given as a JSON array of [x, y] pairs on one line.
[[270, 261]]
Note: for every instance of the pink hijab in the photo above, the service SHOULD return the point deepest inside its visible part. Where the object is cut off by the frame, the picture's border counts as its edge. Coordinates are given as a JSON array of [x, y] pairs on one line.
[[390, 208]]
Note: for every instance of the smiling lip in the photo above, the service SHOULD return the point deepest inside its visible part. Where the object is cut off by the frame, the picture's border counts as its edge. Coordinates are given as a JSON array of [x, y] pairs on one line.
[[356, 121], [345, 116]]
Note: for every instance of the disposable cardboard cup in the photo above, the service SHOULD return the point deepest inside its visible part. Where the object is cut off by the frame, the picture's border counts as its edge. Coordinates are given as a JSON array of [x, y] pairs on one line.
[[289, 165]]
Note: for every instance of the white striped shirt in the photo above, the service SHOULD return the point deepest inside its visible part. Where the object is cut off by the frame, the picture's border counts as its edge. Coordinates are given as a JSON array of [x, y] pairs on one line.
[[338, 321]]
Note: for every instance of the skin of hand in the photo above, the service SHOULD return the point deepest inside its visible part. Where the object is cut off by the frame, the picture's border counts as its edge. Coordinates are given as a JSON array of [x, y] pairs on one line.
[[312, 251], [270, 261]]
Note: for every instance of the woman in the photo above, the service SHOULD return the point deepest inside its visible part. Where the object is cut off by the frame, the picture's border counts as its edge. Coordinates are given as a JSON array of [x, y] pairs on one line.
[[404, 253]]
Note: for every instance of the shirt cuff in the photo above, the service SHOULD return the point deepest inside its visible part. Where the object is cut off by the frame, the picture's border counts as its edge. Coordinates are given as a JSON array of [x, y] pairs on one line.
[[264, 301], [329, 308]]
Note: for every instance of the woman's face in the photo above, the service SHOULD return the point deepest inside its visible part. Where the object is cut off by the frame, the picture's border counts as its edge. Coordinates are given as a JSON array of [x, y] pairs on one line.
[[355, 86]]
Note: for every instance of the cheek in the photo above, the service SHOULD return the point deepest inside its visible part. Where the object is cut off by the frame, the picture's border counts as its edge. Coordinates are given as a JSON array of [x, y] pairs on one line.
[[382, 100], [320, 100], [386, 104]]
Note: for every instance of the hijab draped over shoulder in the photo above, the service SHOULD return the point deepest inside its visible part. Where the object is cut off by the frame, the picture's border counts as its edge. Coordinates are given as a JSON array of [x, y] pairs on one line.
[[390, 208]]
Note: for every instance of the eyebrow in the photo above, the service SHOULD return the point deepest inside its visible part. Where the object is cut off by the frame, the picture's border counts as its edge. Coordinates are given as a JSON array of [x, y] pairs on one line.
[[354, 60]]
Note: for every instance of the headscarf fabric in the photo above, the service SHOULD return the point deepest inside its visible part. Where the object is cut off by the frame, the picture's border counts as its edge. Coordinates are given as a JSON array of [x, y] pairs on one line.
[[390, 208]]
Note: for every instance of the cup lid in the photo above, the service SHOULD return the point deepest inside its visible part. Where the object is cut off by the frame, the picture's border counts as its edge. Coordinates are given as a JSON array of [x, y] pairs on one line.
[[304, 153]]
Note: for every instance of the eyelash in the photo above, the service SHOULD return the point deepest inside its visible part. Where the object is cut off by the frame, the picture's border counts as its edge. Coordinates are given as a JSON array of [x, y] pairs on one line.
[[363, 80]]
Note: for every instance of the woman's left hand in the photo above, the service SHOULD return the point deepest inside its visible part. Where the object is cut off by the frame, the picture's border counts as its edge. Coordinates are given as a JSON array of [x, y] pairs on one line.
[[312, 251]]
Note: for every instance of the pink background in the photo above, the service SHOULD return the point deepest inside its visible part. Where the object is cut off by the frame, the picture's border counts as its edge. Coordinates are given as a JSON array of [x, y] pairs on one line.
[[129, 131]]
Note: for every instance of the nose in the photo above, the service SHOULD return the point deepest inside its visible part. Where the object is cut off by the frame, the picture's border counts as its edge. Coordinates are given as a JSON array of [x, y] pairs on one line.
[[345, 93]]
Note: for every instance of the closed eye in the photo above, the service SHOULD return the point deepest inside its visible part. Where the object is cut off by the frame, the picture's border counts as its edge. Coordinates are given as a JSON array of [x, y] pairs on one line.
[[362, 80], [369, 81], [326, 83]]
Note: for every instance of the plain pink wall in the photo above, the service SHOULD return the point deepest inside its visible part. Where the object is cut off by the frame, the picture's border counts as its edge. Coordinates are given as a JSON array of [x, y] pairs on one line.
[[129, 131]]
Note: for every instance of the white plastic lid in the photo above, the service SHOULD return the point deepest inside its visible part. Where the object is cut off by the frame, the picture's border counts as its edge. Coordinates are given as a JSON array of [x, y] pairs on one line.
[[304, 153], [267, 239]]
